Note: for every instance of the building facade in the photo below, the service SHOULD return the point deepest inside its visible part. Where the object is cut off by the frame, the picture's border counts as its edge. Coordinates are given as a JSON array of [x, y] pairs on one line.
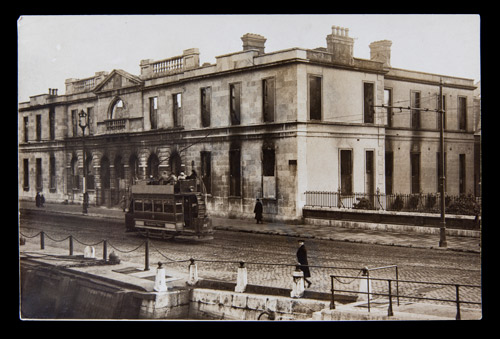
[[253, 124]]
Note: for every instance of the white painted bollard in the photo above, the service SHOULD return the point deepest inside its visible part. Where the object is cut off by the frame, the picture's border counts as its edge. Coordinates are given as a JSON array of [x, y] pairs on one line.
[[365, 287], [160, 283], [193, 273], [241, 281], [298, 287], [89, 252]]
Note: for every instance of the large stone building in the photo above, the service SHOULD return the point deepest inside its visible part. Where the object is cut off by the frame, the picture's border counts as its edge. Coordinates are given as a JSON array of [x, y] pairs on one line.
[[254, 124]]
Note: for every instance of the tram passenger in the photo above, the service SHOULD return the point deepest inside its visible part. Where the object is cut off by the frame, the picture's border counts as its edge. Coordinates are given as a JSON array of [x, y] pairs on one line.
[[182, 176]]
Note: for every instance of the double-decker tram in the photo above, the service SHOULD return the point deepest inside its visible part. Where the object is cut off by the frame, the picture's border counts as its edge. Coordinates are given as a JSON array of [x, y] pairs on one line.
[[165, 210]]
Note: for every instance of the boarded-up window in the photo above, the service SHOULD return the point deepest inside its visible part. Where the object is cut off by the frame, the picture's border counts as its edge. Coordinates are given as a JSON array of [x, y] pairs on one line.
[[26, 172], [314, 98], [38, 127], [389, 168], [346, 171], [461, 174], [39, 181], [268, 100], [52, 173], [234, 103]]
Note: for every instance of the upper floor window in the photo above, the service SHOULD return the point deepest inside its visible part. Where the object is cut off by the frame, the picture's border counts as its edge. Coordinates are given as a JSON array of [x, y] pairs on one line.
[[176, 111], [268, 99], [38, 127], [314, 98], [234, 103], [206, 96], [368, 102], [388, 102], [26, 129], [74, 121], [153, 112], [52, 123], [415, 113], [117, 109], [462, 113]]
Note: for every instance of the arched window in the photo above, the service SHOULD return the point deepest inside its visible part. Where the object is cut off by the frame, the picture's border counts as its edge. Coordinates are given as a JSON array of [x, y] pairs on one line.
[[117, 109], [153, 166], [105, 173], [175, 163], [134, 168]]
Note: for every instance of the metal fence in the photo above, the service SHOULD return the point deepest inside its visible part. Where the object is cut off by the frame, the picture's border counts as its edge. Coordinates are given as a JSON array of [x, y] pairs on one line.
[[427, 203]]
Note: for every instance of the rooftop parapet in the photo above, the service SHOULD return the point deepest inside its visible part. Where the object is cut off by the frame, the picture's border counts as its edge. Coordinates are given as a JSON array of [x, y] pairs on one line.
[[189, 59], [74, 86]]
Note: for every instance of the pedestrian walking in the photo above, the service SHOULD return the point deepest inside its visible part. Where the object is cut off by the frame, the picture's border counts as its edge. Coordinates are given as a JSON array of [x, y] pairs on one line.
[[42, 200], [302, 259], [258, 211]]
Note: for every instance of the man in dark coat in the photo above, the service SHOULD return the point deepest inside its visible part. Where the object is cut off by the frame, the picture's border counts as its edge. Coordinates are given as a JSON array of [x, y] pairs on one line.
[[302, 259], [37, 199], [258, 211]]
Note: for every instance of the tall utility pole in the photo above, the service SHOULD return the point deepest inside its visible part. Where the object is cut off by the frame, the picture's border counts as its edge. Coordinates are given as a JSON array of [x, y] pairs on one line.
[[442, 178]]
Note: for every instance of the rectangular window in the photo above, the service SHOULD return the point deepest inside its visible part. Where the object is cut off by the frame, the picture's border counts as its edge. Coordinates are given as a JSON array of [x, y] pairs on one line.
[[74, 121], [389, 168], [415, 172], [26, 129], [439, 171], [153, 112], [38, 127], [176, 109], [26, 175], [52, 123], [90, 119], [346, 171], [268, 174], [462, 113], [39, 182], [206, 98], [388, 102], [369, 173], [235, 172], [235, 103], [461, 173], [268, 100], [314, 98], [206, 171], [438, 115], [368, 102], [52, 173], [415, 113]]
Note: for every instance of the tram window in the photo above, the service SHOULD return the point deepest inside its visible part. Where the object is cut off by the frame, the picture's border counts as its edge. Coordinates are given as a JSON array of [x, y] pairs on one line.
[[137, 205], [148, 206], [158, 206], [168, 207]]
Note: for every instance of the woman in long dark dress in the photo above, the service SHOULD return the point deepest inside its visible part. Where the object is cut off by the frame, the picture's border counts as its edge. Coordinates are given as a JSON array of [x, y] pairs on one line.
[[258, 211]]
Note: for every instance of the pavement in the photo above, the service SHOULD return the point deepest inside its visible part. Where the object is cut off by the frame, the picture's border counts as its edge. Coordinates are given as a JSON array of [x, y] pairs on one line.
[[367, 236]]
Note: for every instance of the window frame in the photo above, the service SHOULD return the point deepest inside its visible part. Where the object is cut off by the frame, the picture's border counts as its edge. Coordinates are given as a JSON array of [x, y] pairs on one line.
[[318, 101]]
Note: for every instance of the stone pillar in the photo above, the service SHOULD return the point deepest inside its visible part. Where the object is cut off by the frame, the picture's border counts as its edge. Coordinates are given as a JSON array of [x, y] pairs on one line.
[[160, 282], [193, 273], [241, 281], [365, 286], [298, 284]]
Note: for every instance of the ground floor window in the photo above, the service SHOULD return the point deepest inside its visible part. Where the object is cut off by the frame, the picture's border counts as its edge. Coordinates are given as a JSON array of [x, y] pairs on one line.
[[346, 171]]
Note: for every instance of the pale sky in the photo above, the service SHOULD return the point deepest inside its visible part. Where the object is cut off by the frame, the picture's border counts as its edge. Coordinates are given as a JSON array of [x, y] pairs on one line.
[[54, 48]]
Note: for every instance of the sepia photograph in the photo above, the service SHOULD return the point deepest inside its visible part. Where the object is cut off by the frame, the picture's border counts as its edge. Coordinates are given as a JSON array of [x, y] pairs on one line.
[[257, 167]]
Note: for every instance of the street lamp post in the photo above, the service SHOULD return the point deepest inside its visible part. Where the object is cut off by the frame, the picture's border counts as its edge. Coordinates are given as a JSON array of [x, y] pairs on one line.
[[83, 122], [442, 178]]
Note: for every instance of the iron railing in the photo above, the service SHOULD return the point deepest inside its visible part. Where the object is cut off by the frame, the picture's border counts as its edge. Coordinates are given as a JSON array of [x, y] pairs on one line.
[[427, 203]]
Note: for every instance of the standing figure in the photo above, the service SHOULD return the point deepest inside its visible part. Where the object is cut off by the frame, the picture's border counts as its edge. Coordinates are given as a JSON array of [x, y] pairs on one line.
[[258, 211], [42, 200], [302, 259], [37, 199]]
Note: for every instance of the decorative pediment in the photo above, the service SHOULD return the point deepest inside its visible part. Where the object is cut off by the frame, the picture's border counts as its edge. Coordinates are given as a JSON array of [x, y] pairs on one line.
[[118, 79]]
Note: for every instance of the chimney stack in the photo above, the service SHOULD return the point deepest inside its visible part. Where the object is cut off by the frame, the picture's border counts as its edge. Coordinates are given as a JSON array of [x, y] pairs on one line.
[[253, 41], [381, 51], [340, 45]]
